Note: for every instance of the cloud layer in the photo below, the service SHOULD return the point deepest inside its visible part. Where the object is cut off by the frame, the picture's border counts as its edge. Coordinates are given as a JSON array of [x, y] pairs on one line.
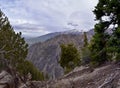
[[38, 17]]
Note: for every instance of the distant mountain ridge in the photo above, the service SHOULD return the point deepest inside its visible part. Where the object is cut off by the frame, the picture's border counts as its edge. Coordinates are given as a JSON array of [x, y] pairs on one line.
[[41, 38], [51, 35]]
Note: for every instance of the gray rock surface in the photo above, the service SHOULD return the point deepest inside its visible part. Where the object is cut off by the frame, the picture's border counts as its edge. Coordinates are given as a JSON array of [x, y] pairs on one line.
[[13, 81], [6, 80], [107, 76]]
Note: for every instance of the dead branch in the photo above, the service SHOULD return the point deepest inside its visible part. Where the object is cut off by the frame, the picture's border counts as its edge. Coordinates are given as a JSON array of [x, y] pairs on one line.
[[108, 80]]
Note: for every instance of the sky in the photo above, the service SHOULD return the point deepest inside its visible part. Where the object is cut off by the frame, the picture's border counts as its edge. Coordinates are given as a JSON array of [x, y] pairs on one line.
[[38, 17]]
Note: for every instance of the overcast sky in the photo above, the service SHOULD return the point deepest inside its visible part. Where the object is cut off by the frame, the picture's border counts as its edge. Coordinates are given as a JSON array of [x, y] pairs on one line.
[[39, 17]]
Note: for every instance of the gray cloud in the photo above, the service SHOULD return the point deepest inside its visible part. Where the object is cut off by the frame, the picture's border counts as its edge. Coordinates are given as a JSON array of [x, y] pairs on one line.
[[48, 15]]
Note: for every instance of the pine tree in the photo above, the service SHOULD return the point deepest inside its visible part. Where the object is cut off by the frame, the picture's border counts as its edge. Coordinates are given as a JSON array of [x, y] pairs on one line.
[[14, 49], [13, 46], [85, 52], [70, 56], [113, 12], [98, 43], [108, 15], [85, 40]]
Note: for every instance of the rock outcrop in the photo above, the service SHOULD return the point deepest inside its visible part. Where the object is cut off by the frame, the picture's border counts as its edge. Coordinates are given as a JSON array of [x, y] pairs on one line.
[[8, 80], [107, 76]]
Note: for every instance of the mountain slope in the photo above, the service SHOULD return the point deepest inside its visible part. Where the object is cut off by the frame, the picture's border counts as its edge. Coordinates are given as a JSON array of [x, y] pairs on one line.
[[46, 55], [43, 38]]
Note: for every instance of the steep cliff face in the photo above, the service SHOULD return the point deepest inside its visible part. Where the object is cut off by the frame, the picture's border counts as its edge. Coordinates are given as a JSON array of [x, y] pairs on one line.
[[45, 56]]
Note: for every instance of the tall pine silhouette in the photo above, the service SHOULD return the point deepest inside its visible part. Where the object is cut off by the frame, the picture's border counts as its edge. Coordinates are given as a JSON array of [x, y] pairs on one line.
[[107, 14]]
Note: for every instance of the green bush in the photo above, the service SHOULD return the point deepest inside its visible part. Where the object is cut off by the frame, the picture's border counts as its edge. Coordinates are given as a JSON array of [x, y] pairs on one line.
[[70, 57], [27, 67]]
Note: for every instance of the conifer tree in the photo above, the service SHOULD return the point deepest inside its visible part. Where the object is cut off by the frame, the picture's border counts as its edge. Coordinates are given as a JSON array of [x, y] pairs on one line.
[[85, 52], [107, 14], [98, 43], [70, 56], [113, 11], [13, 46], [14, 49], [85, 40]]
